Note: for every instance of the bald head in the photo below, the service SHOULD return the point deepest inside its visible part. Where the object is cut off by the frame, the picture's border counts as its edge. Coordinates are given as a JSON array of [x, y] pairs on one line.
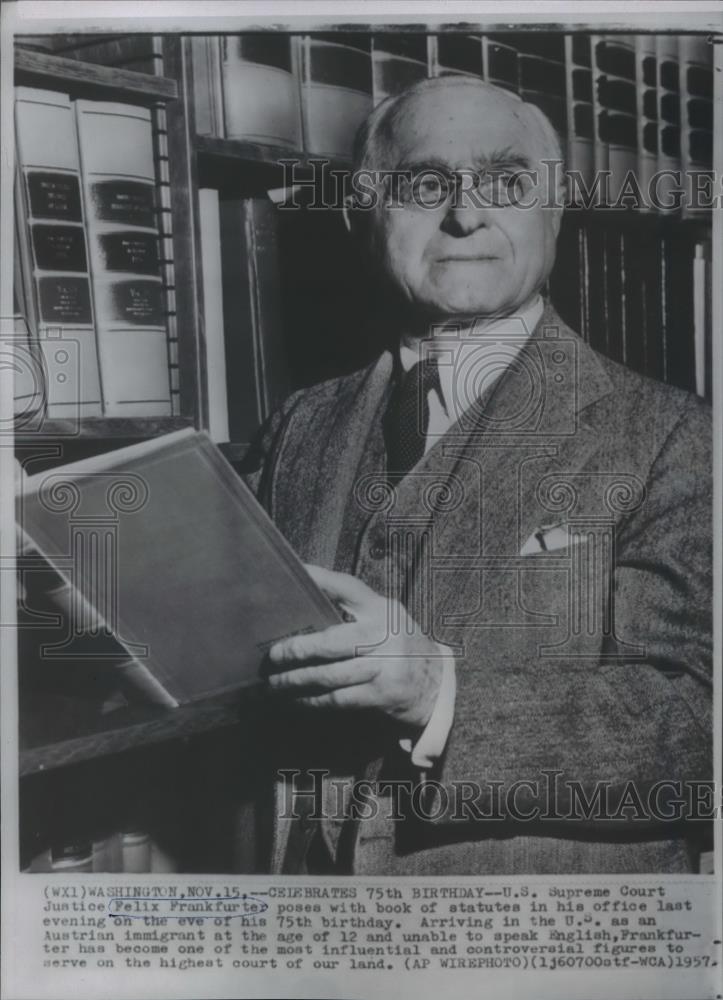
[[471, 234], [381, 128]]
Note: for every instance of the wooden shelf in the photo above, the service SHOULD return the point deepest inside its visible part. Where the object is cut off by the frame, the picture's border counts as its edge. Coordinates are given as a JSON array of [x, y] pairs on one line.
[[35, 68], [219, 161], [129, 729], [97, 428]]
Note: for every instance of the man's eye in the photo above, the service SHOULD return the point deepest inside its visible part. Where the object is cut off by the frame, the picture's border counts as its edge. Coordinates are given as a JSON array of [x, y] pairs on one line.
[[429, 188]]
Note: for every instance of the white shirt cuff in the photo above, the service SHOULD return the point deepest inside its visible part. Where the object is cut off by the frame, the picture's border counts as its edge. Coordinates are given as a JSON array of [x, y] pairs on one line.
[[430, 745]]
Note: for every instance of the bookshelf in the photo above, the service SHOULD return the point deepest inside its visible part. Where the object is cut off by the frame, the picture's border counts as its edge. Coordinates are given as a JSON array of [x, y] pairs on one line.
[[613, 282], [41, 69]]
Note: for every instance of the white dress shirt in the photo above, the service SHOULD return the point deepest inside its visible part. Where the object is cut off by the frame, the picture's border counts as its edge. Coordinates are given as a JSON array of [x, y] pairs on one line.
[[469, 362]]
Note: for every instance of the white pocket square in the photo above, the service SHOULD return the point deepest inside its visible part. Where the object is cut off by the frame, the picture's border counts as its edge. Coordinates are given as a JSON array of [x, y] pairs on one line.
[[549, 539]]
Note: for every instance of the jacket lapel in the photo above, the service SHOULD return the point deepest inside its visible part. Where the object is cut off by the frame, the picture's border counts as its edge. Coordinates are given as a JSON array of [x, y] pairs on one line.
[[490, 465], [336, 461]]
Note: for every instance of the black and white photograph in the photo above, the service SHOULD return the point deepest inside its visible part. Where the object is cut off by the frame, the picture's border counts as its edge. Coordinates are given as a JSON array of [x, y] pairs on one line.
[[362, 448]]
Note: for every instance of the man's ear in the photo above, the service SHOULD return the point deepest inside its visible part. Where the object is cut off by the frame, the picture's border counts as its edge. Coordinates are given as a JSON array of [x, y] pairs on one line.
[[347, 212], [560, 201]]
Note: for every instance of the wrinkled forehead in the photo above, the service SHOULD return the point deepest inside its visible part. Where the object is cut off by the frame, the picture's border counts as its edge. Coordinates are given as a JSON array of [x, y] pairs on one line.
[[459, 127]]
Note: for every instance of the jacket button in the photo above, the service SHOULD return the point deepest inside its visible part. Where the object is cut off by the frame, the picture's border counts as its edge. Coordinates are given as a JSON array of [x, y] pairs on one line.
[[377, 552]]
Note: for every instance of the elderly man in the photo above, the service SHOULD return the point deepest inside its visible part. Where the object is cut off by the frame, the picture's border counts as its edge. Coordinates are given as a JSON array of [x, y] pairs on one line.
[[516, 529]]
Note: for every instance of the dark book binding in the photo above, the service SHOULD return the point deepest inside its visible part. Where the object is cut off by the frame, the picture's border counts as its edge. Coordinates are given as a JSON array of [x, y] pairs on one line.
[[183, 567]]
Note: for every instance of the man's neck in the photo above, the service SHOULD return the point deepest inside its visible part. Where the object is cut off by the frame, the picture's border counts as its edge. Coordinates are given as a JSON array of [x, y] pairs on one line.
[[464, 327]]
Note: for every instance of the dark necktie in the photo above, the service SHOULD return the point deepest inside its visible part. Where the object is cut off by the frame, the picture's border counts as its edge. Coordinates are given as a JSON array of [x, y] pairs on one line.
[[407, 417]]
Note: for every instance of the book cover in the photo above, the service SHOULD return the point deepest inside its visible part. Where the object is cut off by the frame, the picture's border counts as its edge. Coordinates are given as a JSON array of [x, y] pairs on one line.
[[260, 90], [52, 252], [184, 568], [119, 195], [336, 91]]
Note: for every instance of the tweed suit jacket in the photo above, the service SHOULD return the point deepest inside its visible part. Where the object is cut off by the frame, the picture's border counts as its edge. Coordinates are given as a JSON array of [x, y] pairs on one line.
[[558, 539]]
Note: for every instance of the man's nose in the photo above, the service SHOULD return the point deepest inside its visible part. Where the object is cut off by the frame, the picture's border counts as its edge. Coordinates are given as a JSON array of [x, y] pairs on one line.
[[465, 215]]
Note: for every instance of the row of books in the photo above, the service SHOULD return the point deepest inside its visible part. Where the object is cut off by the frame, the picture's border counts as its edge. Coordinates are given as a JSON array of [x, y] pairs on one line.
[[649, 307], [622, 102], [130, 851], [92, 288], [640, 103]]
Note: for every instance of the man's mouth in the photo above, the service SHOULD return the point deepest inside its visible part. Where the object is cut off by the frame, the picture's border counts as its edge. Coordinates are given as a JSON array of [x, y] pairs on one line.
[[466, 258]]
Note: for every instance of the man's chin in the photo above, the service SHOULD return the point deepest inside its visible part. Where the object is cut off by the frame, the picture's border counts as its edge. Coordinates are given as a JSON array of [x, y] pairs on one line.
[[465, 308]]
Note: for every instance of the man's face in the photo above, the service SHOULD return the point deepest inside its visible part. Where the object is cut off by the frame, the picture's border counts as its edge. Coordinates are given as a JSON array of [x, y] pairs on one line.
[[471, 259]]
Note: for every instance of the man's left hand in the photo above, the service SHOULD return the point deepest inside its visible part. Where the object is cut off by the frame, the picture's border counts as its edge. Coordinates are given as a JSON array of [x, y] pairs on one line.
[[380, 660]]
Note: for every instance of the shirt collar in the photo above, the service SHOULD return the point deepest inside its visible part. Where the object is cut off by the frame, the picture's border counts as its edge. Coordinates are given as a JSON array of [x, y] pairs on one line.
[[453, 351]]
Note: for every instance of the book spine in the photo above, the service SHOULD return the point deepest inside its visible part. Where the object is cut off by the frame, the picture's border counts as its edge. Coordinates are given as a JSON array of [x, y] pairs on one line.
[[336, 95], [251, 307], [542, 82], [618, 97], [696, 122], [41, 862], [135, 849], [75, 857], [457, 54], [161, 859], [119, 192], [53, 252], [566, 282], [435, 66], [207, 85], [580, 119], [601, 159], [651, 263], [29, 379], [669, 163], [702, 318], [646, 75], [615, 289], [598, 291], [138, 677], [138, 52], [679, 320], [500, 63], [260, 91], [214, 334], [394, 71], [106, 856], [633, 311], [85, 618]]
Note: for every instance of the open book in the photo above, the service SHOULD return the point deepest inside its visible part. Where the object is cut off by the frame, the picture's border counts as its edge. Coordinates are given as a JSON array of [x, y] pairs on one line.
[[162, 550]]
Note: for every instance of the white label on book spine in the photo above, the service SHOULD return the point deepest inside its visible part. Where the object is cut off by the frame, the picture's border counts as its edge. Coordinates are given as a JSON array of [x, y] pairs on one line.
[[53, 254], [116, 155]]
